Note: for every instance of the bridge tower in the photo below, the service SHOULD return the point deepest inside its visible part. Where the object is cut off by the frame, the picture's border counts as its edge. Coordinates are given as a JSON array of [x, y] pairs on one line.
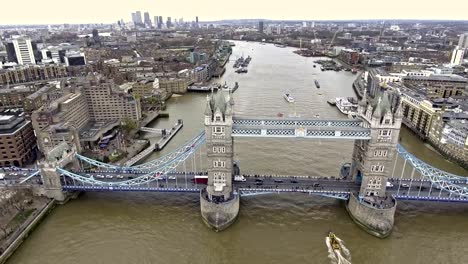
[[373, 208], [219, 202], [59, 157]]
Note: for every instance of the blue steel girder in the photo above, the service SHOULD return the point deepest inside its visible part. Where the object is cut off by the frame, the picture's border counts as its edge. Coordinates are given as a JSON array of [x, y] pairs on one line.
[[295, 122], [154, 164], [445, 180], [302, 132], [142, 179], [29, 177]]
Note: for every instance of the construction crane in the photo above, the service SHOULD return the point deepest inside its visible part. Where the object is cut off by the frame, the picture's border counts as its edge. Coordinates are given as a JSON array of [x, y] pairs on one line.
[[382, 30], [333, 39]]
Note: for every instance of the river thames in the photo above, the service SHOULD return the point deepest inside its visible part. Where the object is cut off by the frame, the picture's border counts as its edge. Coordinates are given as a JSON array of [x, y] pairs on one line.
[[122, 228]]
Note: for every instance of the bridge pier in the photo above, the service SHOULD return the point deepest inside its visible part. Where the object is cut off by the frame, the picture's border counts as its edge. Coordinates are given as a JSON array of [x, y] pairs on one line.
[[374, 220], [219, 215], [219, 202], [373, 208]]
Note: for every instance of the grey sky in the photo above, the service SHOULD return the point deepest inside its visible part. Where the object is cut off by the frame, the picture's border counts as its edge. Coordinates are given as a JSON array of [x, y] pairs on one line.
[[106, 11]]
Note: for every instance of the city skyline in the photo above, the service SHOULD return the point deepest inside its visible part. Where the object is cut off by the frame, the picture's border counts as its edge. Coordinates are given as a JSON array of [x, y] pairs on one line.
[[89, 11]]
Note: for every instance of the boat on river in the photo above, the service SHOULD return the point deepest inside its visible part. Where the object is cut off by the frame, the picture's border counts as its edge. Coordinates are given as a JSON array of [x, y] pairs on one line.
[[288, 98], [335, 244], [347, 105], [317, 84]]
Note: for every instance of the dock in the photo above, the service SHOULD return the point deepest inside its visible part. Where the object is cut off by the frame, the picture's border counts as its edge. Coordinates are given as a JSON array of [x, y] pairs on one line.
[[156, 146], [169, 135], [194, 88]]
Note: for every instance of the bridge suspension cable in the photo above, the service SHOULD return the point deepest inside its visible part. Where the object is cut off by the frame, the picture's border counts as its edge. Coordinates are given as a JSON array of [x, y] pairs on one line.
[[153, 175], [447, 181], [154, 164]]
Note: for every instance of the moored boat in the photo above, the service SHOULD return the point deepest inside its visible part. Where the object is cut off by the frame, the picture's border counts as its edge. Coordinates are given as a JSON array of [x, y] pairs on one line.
[[317, 84], [347, 105]]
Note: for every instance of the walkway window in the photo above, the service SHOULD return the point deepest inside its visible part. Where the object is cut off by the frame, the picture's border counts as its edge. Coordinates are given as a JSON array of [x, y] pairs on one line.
[[377, 168], [219, 149], [219, 163]]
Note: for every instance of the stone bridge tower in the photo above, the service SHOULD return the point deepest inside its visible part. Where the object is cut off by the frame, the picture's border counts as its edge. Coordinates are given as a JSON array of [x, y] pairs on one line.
[[59, 157], [372, 162], [219, 201]]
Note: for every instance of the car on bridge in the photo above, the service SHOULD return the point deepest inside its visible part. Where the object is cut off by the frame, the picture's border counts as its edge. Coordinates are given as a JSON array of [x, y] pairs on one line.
[[278, 181], [404, 185], [258, 182], [239, 178], [316, 185], [294, 181], [389, 185]]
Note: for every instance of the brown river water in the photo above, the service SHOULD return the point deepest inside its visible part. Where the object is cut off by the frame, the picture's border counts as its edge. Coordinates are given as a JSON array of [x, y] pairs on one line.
[[122, 228]]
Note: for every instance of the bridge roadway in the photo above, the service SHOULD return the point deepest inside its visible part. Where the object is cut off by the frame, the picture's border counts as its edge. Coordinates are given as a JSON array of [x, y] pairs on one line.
[[402, 189]]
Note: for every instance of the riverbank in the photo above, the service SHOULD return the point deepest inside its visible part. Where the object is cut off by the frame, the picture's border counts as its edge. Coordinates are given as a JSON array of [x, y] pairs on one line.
[[15, 240]]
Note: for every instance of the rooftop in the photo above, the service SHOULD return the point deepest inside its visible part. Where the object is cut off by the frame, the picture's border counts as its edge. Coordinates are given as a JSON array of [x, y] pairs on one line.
[[439, 77], [11, 120]]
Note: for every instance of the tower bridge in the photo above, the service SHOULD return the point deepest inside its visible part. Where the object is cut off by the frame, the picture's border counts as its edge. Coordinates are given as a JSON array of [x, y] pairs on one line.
[[371, 187]]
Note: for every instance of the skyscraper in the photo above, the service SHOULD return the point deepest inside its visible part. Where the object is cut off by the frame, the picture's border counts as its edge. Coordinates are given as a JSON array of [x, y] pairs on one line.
[[147, 19], [134, 19], [138, 19], [169, 23], [155, 21], [160, 22], [24, 51], [96, 38], [457, 56], [463, 42], [260, 26], [196, 19]]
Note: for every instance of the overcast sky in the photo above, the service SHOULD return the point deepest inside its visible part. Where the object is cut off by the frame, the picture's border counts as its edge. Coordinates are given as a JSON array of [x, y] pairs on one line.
[[108, 11]]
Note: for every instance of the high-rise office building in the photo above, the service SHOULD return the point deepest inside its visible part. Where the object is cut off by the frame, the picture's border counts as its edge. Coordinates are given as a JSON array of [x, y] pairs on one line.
[[96, 38], [147, 19], [260, 26], [463, 42], [196, 19], [457, 56], [134, 20], [160, 22], [169, 23], [138, 19], [23, 51], [155, 21]]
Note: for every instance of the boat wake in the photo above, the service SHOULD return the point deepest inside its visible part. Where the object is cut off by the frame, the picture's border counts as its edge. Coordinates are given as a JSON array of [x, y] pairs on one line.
[[338, 256]]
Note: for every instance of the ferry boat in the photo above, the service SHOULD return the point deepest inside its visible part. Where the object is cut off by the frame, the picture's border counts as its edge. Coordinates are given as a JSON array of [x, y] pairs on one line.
[[347, 105], [317, 84], [288, 98], [334, 241]]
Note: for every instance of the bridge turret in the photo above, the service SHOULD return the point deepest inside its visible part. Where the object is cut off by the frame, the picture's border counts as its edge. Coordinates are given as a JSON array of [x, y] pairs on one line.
[[219, 202], [59, 157], [372, 160]]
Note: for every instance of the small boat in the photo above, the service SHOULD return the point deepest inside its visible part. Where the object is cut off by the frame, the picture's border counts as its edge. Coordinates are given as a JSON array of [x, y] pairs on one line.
[[288, 98], [317, 116], [317, 84], [334, 241], [347, 105], [332, 101]]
